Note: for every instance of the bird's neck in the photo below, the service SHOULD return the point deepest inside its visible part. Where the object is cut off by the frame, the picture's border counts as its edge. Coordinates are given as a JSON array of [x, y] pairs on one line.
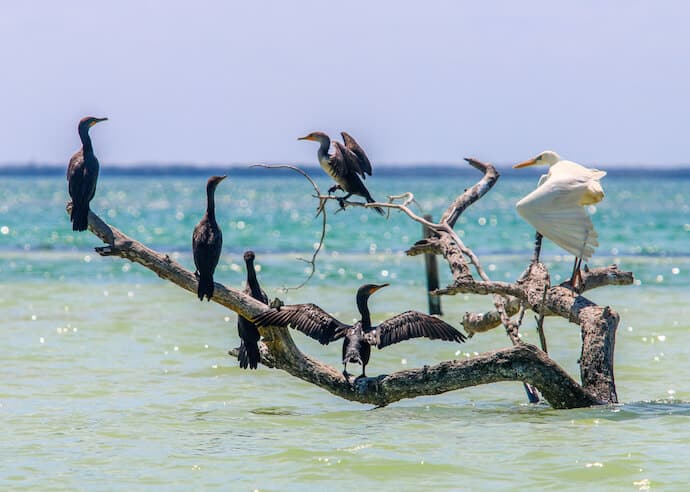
[[211, 203], [252, 282], [323, 149], [363, 307], [87, 148]]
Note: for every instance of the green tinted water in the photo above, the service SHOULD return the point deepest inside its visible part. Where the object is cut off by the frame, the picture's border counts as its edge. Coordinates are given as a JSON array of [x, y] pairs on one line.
[[115, 380]]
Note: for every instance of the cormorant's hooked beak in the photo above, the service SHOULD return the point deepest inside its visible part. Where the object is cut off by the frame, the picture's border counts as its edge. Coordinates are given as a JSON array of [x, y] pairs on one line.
[[96, 120], [377, 287], [530, 162], [308, 137]]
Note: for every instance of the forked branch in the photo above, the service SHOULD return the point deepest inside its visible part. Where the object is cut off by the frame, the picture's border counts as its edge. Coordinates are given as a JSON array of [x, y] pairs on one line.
[[518, 363]]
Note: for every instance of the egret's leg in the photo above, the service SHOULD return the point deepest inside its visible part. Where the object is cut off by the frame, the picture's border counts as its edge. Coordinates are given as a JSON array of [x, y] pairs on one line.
[[576, 277]]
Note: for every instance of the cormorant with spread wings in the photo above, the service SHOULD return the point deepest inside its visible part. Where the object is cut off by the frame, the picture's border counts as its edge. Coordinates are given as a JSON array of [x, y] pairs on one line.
[[313, 321]]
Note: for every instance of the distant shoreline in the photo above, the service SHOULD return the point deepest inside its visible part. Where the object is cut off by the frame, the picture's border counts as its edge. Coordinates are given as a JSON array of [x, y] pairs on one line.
[[423, 170]]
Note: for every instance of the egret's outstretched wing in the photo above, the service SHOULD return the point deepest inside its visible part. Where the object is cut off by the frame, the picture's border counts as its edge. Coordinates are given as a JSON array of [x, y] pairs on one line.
[[310, 319], [413, 324], [555, 210], [355, 148]]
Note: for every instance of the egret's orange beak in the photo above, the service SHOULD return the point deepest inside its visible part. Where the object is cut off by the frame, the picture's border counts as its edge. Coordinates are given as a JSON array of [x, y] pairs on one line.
[[308, 137], [530, 162]]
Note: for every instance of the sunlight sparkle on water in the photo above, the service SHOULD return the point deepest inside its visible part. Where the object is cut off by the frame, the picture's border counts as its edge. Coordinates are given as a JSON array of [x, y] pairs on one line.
[[4, 230]]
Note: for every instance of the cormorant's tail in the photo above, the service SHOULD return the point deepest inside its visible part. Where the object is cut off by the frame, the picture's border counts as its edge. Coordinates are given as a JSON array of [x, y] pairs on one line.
[[249, 355], [79, 217], [205, 287], [369, 199]]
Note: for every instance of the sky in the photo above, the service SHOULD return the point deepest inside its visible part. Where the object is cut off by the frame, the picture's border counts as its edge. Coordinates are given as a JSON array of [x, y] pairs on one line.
[[228, 82]]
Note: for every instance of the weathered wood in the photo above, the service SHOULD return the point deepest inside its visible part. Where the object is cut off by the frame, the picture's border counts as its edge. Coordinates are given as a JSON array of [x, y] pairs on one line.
[[518, 363]]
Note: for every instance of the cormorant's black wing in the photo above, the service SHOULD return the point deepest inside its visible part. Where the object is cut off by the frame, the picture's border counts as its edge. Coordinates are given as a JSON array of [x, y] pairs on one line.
[[75, 175], [310, 319], [207, 243], [350, 162], [81, 177], [339, 169], [413, 324], [355, 148]]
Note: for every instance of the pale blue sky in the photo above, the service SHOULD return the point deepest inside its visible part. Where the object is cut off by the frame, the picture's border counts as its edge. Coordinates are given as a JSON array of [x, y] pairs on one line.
[[213, 82]]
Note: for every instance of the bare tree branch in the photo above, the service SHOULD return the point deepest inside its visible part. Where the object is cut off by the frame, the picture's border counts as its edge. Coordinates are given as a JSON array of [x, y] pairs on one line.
[[521, 362], [592, 279], [321, 210]]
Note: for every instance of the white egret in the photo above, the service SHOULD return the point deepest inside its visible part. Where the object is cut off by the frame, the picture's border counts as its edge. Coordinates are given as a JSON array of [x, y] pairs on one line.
[[556, 207]]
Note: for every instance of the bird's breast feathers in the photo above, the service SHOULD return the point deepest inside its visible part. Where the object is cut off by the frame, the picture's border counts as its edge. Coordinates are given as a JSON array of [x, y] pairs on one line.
[[326, 165]]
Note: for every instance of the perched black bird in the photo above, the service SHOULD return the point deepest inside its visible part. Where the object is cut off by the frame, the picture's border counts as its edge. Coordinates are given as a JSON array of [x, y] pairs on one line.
[[249, 333], [345, 166], [318, 324], [207, 241], [82, 175]]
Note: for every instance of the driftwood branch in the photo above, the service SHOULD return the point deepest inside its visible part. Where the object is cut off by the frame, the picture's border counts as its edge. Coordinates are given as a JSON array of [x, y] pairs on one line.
[[520, 362], [279, 351]]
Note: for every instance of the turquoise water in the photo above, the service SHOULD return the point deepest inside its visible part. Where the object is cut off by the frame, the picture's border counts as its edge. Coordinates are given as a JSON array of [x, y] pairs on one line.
[[116, 380]]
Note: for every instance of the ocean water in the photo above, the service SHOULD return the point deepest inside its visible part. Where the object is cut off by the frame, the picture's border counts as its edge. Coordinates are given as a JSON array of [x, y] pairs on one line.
[[114, 379]]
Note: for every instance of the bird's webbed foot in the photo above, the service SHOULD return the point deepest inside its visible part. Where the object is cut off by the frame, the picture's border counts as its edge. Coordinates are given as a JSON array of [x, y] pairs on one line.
[[276, 303], [334, 188], [342, 200]]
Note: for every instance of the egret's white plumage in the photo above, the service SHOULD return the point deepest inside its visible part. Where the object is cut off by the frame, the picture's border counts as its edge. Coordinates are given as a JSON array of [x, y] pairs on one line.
[[555, 207]]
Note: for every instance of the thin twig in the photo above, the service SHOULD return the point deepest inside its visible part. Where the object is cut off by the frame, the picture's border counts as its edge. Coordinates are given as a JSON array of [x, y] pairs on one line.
[[321, 208]]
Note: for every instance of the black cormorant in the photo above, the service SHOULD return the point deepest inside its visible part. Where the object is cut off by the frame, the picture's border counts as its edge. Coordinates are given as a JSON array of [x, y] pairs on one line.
[[82, 175], [318, 324], [345, 166], [207, 241], [249, 333]]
